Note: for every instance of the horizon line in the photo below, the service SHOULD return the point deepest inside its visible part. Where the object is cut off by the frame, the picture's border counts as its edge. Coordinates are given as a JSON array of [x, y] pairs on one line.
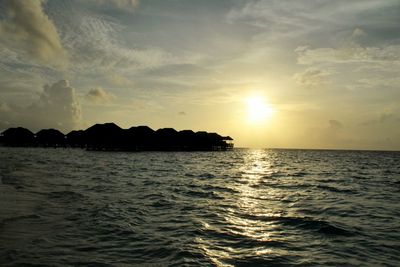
[[321, 149]]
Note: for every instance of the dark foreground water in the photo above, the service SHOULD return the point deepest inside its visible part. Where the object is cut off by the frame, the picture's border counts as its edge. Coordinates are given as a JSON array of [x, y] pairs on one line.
[[239, 208]]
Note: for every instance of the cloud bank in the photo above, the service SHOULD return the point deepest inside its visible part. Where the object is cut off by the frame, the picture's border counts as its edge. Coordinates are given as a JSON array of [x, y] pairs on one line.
[[57, 107]]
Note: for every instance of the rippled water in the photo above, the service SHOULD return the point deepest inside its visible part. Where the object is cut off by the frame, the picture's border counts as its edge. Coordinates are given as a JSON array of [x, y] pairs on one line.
[[238, 208]]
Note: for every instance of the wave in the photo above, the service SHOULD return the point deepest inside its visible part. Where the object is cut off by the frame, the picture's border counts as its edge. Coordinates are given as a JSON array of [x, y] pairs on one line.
[[278, 208], [228, 236], [70, 195], [18, 218], [336, 189], [306, 223]]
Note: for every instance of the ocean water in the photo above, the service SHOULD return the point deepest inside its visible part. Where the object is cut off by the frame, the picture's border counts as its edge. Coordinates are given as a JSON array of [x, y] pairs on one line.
[[70, 207]]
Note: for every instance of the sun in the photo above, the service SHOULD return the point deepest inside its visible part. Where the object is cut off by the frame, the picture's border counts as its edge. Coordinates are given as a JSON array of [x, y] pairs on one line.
[[258, 110]]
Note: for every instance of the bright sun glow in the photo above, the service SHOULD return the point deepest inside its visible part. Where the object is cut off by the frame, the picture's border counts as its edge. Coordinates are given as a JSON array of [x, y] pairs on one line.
[[258, 110]]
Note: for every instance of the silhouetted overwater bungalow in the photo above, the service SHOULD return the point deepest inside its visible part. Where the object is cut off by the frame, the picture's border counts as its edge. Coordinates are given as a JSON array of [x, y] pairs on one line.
[[111, 137], [167, 139], [76, 138], [18, 137], [107, 136], [50, 138], [140, 138]]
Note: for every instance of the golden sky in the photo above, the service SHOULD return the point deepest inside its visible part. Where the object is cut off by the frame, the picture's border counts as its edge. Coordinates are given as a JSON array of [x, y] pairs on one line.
[[290, 74]]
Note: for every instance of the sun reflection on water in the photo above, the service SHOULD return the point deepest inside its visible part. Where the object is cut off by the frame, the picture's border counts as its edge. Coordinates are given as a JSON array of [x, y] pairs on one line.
[[243, 221], [256, 169], [213, 253]]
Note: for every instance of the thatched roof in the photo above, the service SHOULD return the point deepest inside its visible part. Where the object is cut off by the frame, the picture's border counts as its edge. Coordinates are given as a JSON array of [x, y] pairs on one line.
[[110, 126], [17, 131], [50, 132]]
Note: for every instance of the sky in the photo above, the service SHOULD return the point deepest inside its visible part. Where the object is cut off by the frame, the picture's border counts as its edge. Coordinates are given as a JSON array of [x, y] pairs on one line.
[[271, 74]]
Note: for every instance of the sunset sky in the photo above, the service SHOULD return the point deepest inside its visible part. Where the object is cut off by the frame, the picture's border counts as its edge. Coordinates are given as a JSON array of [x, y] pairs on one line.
[[290, 74]]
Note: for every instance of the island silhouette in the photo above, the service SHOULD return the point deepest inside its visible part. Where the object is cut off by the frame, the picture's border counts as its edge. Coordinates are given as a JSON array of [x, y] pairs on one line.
[[111, 137]]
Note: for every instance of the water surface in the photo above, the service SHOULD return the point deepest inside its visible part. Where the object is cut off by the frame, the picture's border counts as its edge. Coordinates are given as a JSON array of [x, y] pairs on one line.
[[238, 208]]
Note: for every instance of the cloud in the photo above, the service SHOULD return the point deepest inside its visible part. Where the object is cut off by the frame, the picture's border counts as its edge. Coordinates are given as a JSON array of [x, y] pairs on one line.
[[59, 104], [278, 15], [284, 18], [99, 96], [98, 47], [119, 80], [128, 5], [311, 77], [358, 33], [379, 82], [371, 66], [57, 107], [29, 30], [97, 41], [350, 52]]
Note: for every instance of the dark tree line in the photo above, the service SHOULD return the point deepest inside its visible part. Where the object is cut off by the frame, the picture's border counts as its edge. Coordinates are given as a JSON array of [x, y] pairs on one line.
[[109, 136]]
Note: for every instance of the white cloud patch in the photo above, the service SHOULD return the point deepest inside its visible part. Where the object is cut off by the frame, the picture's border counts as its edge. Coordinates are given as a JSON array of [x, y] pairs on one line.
[[99, 96], [29, 30], [312, 77], [58, 107]]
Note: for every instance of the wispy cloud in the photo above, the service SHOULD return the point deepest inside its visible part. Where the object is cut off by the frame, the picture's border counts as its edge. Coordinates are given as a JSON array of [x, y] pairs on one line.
[[97, 46], [349, 54], [288, 17], [379, 82], [312, 77], [128, 5]]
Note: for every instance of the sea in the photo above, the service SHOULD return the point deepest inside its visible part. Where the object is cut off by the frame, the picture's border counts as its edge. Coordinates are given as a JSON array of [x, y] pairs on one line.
[[245, 207]]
